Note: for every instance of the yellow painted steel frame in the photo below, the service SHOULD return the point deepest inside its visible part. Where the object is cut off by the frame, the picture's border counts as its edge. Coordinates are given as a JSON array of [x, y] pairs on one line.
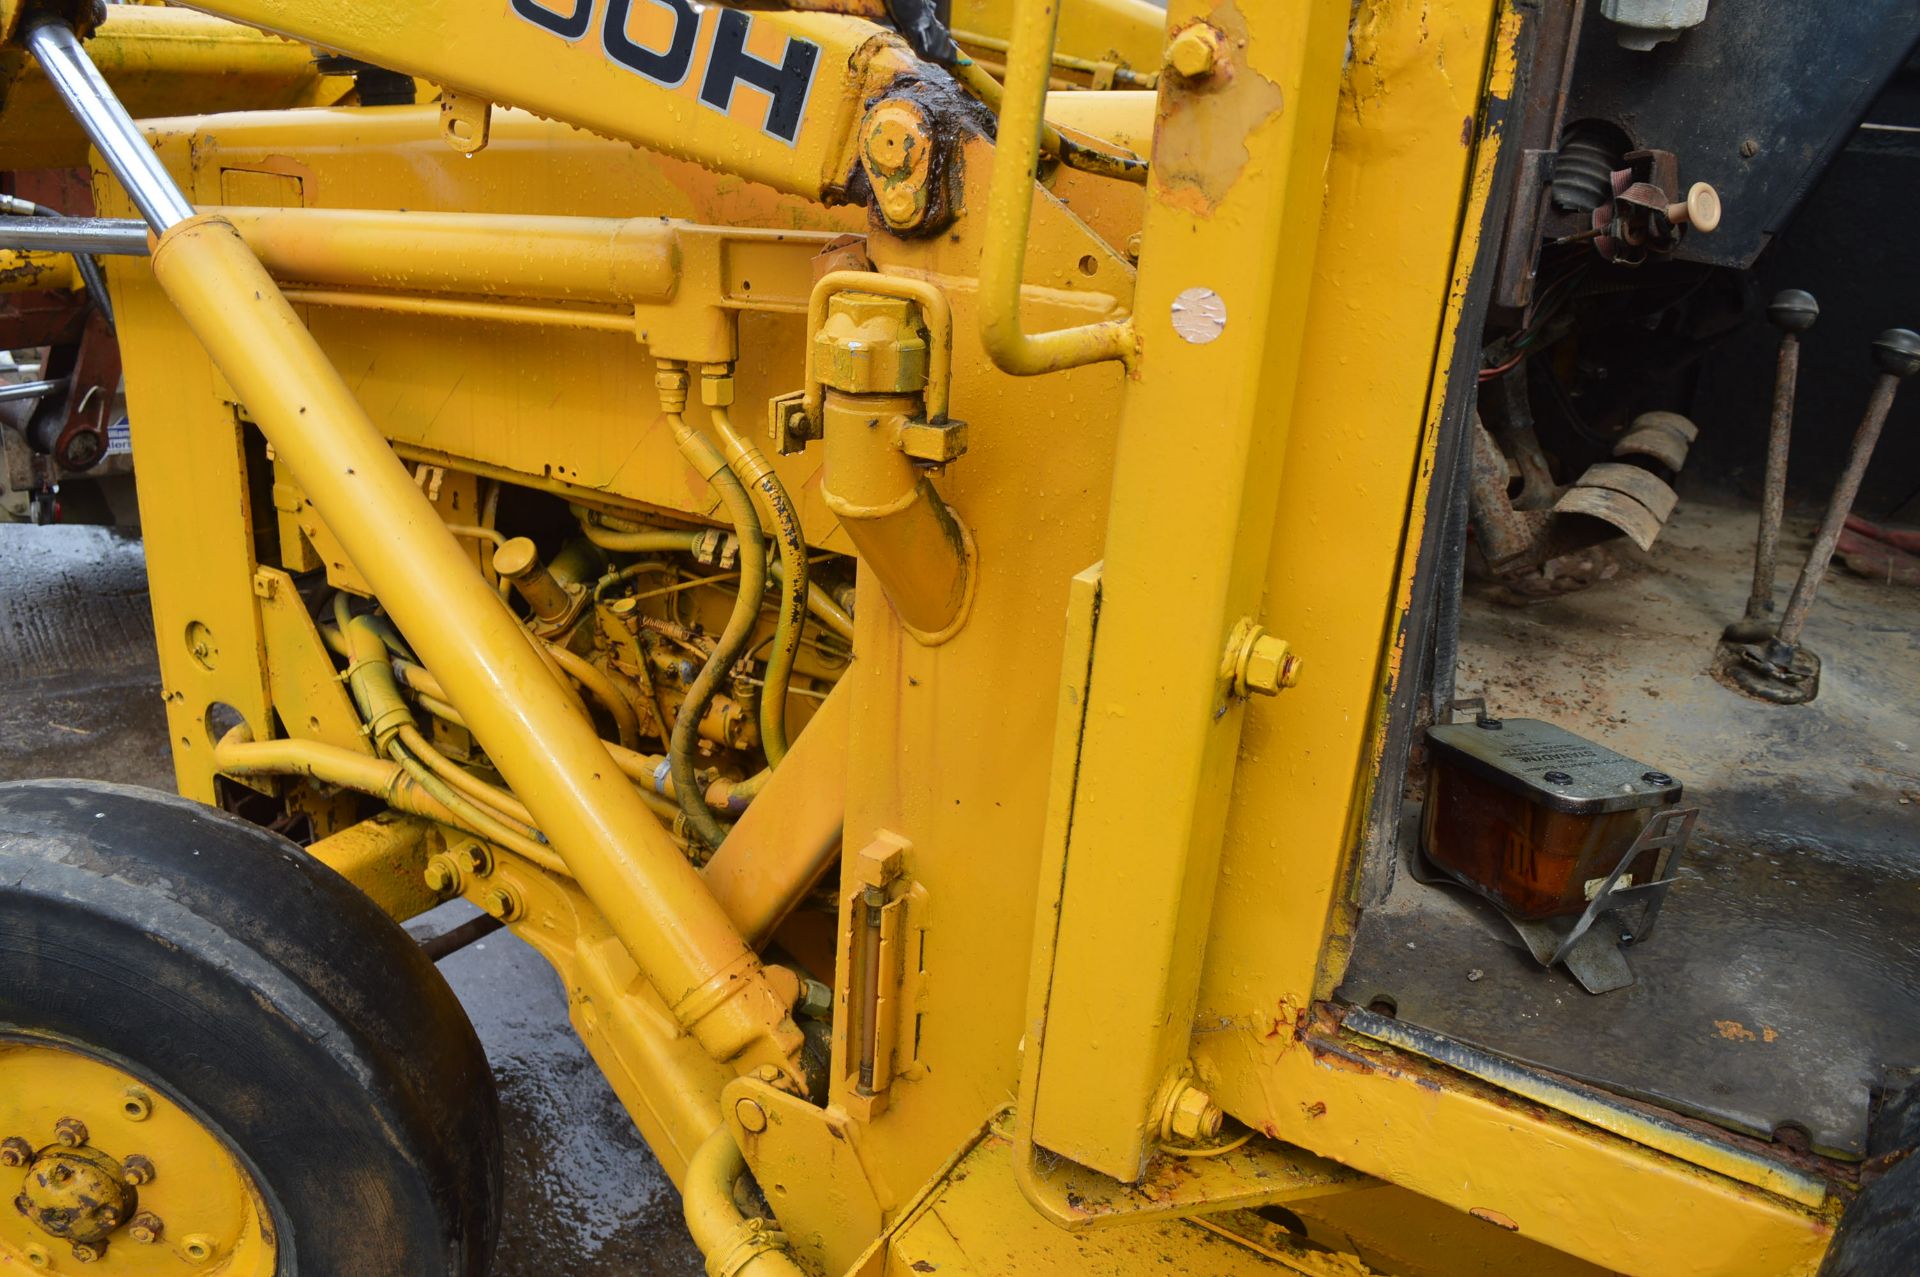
[[778, 94], [1309, 231]]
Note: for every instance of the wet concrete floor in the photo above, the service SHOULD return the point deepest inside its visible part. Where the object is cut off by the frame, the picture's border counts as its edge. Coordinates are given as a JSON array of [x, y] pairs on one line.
[[80, 696]]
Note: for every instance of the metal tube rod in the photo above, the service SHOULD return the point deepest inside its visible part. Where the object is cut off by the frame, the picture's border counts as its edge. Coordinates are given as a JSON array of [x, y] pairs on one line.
[[1897, 354], [84, 90], [28, 390], [1793, 312], [122, 236], [1773, 498], [1010, 218]]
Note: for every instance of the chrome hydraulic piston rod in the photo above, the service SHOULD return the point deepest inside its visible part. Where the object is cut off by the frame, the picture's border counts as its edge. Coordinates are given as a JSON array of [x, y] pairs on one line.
[[651, 896]]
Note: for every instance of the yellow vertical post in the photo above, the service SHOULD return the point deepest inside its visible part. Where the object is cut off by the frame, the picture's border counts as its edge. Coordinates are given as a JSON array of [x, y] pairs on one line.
[[1233, 214]]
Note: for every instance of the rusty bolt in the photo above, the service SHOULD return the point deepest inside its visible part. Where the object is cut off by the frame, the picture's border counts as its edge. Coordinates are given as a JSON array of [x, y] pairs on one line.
[[198, 1248], [146, 1228], [15, 1151], [138, 1170], [70, 1131], [87, 1252], [1192, 1114], [750, 1115], [502, 902], [83, 449], [474, 857], [1196, 51], [442, 875], [1749, 149]]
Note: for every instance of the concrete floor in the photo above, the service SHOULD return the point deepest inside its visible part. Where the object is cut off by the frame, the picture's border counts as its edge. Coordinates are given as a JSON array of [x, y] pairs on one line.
[[80, 696]]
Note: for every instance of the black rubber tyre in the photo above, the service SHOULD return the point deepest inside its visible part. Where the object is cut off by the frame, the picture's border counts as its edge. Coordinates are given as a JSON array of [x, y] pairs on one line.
[[1879, 1236], [225, 966]]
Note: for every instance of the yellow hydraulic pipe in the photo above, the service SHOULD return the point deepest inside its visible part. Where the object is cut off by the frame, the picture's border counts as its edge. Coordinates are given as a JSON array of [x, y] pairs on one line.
[[237, 754], [576, 259], [1003, 261], [670, 923], [732, 1243], [584, 672], [904, 532]]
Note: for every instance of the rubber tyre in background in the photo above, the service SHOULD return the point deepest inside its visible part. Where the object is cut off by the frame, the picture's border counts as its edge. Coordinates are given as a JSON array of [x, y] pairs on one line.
[[260, 990]]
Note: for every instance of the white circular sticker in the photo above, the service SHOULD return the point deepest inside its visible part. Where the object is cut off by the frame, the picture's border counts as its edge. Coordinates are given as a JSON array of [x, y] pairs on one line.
[[1199, 315]]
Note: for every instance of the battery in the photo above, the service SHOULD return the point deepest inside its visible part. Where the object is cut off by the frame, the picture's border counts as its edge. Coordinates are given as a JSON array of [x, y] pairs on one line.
[[1534, 817]]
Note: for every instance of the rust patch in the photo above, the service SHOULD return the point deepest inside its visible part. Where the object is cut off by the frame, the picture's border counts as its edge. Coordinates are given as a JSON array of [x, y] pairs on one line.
[[1325, 1052], [1200, 137], [1316, 1109], [1734, 1031], [1496, 1218]]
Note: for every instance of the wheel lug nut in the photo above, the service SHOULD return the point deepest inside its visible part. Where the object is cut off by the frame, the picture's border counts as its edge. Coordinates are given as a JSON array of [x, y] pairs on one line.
[[15, 1151], [70, 1131], [138, 1170], [87, 1252], [145, 1228]]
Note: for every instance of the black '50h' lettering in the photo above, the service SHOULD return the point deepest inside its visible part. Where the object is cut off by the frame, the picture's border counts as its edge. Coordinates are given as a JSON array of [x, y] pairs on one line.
[[788, 84]]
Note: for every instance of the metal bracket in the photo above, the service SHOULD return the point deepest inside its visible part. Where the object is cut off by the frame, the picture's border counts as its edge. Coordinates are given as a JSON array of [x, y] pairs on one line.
[[1596, 961], [465, 121]]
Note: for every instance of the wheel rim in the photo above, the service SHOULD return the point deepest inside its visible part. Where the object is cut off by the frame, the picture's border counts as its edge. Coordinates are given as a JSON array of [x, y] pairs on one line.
[[103, 1173]]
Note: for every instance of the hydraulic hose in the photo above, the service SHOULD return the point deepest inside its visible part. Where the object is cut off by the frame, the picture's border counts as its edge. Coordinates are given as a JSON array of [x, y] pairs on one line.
[[238, 754], [750, 465], [700, 453], [626, 723], [731, 1242]]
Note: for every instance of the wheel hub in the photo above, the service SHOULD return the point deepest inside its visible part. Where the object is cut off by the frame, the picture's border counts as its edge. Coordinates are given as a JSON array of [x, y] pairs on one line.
[[78, 1195], [129, 1182]]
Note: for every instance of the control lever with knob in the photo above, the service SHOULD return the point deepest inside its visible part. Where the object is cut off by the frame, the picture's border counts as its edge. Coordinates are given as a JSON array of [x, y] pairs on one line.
[[1780, 669]]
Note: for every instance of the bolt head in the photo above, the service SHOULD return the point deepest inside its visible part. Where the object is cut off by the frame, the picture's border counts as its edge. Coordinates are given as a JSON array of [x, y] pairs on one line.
[[1271, 666], [1194, 1115], [87, 1252], [1896, 352], [146, 1228], [1793, 310], [442, 876], [138, 1170], [70, 1131], [501, 903], [15, 1151], [1195, 52]]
